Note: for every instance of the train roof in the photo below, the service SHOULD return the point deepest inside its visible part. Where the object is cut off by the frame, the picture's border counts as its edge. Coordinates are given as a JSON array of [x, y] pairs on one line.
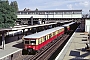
[[40, 25], [68, 24], [20, 28], [63, 21], [43, 33]]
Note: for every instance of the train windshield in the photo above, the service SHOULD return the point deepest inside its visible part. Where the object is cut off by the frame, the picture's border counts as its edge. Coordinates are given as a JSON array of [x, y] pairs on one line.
[[33, 42], [27, 42]]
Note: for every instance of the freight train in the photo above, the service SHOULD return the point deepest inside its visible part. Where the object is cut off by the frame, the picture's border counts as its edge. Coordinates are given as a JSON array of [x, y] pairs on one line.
[[36, 41]]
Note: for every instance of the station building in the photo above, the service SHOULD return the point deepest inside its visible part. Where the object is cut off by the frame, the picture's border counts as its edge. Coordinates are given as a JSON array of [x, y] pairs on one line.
[[44, 15]]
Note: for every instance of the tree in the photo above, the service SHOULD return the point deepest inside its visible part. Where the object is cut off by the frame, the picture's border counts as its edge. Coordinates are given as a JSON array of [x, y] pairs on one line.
[[85, 16], [14, 5], [36, 9], [7, 15]]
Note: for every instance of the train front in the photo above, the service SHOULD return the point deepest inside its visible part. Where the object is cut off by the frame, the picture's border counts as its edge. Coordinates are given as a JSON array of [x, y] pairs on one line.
[[29, 44]]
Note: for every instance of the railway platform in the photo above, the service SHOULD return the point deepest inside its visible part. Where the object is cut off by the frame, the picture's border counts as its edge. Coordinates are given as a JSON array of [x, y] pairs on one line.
[[11, 50], [75, 48]]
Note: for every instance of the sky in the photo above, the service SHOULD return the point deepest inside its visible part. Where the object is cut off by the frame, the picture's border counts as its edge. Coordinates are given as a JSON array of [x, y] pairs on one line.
[[83, 5]]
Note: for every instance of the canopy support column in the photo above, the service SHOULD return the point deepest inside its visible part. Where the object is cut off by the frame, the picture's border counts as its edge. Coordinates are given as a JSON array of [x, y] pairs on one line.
[[3, 40], [31, 20]]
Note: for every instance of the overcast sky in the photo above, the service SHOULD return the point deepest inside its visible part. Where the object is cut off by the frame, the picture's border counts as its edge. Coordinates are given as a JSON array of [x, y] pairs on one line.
[[54, 4]]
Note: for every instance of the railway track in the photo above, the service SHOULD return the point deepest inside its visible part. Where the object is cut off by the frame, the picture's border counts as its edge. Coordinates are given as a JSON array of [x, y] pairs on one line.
[[46, 52], [46, 55]]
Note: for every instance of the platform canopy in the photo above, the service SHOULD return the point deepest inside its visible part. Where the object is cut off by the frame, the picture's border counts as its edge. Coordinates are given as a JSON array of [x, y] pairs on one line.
[[5, 30]]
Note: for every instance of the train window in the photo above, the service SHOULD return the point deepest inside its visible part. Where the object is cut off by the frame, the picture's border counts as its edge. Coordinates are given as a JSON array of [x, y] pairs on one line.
[[57, 31], [47, 37], [53, 33], [60, 30], [50, 35], [33, 42], [40, 41], [44, 38], [37, 42], [63, 29], [26, 41]]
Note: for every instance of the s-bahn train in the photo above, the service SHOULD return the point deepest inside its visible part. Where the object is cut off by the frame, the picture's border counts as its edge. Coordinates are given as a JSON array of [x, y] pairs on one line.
[[34, 42], [33, 29]]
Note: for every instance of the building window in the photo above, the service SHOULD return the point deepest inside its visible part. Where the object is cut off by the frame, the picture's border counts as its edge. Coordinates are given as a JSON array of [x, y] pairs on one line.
[[76, 12], [67, 13], [58, 13]]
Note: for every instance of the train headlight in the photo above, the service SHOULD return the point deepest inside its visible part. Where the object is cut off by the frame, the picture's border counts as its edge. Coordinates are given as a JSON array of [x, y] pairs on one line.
[[29, 46], [25, 47]]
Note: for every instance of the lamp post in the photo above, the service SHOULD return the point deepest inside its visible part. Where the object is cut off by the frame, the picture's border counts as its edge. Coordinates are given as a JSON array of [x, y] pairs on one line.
[[31, 20]]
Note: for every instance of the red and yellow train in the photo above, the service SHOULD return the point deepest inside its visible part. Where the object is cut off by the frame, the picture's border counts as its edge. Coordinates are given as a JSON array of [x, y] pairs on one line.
[[36, 41]]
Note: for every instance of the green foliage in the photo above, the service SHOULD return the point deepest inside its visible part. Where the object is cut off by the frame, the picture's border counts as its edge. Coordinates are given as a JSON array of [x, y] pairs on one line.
[[14, 5], [7, 15]]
